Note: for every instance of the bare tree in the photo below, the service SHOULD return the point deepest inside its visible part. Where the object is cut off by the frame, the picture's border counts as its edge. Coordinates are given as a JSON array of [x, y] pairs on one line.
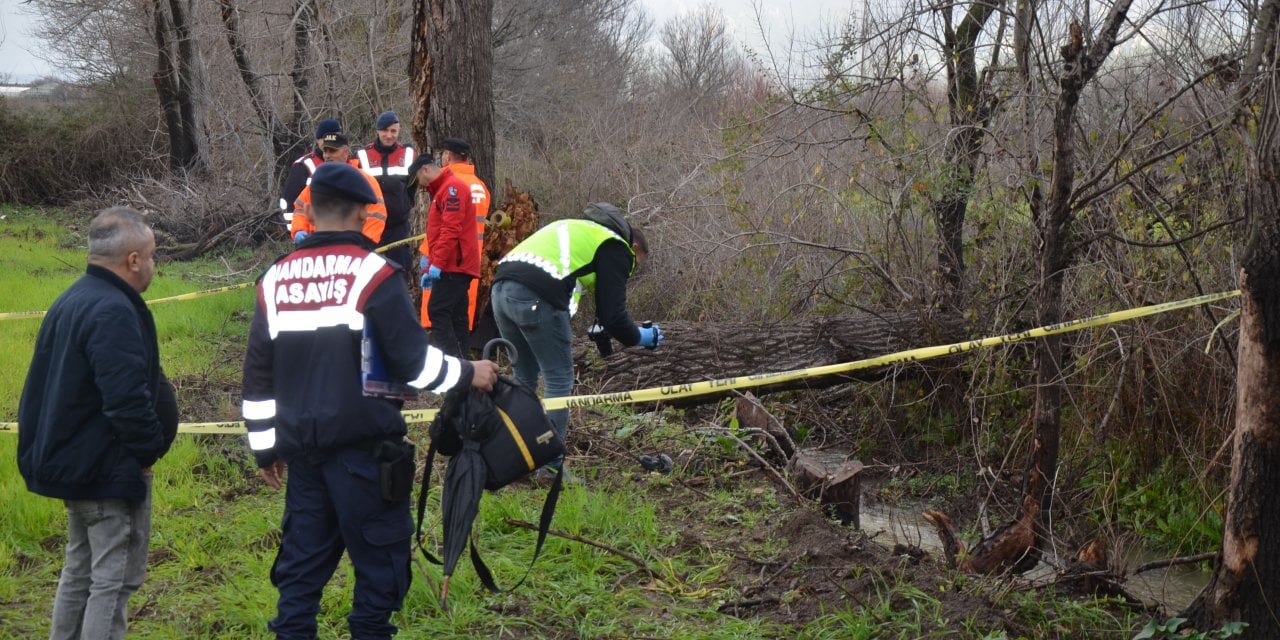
[[1246, 580], [701, 61], [452, 68], [180, 84], [971, 101], [1080, 63], [285, 138]]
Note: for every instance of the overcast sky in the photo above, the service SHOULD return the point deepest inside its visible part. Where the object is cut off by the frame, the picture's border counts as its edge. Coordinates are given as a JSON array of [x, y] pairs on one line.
[[781, 20], [16, 45]]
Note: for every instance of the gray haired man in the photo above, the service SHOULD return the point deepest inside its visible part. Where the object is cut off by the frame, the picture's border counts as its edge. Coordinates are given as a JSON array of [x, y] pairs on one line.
[[96, 412]]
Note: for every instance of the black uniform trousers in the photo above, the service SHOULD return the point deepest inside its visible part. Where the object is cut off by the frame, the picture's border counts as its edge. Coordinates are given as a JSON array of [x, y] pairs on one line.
[[333, 505], [447, 309]]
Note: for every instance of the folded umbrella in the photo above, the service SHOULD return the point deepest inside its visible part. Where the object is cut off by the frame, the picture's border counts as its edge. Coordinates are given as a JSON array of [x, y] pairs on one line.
[[463, 485]]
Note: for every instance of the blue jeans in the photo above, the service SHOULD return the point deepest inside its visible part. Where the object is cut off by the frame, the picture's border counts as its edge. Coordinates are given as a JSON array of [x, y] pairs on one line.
[[332, 506], [543, 342], [106, 562]]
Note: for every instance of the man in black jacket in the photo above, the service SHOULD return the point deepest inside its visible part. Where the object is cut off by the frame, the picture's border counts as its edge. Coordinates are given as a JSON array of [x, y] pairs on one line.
[[91, 424], [322, 397], [388, 162]]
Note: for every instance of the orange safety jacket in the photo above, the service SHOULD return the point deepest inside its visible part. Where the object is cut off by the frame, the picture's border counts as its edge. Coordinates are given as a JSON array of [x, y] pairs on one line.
[[375, 220], [480, 198]]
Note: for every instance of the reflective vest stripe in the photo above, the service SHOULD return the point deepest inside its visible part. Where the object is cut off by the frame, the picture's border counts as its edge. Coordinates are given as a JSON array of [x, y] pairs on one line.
[[365, 166], [566, 250], [262, 440], [258, 409]]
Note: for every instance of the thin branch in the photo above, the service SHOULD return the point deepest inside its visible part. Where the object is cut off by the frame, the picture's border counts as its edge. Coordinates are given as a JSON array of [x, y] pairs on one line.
[[1170, 562], [639, 562]]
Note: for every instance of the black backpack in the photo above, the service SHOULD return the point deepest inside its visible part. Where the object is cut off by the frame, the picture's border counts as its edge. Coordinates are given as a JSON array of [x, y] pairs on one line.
[[515, 435], [506, 431]]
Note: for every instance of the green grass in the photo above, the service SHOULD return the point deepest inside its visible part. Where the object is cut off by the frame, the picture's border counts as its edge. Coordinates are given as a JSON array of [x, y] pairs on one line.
[[40, 257], [216, 525]]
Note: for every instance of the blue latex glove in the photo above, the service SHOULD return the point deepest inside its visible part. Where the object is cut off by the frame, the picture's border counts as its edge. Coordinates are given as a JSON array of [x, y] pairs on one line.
[[299, 237], [422, 264], [429, 276], [650, 336]]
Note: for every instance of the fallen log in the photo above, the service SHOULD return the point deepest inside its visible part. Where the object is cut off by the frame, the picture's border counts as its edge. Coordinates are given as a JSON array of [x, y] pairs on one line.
[[701, 351]]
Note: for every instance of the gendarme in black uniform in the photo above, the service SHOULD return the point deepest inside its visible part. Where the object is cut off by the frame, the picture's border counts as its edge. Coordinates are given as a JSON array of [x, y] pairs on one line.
[[304, 405]]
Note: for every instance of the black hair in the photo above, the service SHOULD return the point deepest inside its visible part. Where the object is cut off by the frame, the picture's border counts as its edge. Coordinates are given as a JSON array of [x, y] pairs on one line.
[[333, 207]]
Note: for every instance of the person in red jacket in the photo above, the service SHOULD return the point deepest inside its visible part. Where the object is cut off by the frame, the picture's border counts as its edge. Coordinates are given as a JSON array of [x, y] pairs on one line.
[[455, 155], [300, 171], [450, 254]]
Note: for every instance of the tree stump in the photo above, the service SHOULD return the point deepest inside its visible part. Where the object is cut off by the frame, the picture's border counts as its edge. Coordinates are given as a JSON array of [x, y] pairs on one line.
[[751, 414], [836, 483]]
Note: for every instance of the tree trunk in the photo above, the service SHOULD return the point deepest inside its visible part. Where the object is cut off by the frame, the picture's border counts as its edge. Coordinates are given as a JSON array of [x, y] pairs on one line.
[[452, 75], [305, 17], [191, 87], [1246, 580], [1080, 64], [694, 352], [970, 106], [179, 85], [166, 81]]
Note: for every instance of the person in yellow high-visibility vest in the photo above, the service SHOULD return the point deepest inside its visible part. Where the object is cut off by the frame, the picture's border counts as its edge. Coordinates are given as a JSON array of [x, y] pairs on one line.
[[536, 290]]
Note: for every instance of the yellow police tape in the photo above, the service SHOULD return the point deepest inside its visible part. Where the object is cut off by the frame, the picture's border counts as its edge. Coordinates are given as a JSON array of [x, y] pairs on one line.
[[16, 315], [690, 389]]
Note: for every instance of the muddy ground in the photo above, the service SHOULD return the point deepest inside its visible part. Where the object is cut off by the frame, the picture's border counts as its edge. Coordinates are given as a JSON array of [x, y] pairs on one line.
[[801, 564]]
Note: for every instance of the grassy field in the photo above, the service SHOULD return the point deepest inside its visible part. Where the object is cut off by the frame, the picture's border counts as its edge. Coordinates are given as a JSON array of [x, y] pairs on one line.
[[712, 552]]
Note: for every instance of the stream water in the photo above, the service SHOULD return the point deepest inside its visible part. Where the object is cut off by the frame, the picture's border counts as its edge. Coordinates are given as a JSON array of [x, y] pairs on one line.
[[1173, 587]]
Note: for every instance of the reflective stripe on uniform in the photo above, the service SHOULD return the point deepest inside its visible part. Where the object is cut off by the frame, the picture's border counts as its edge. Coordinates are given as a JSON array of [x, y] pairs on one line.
[[344, 313], [566, 250], [258, 409], [366, 166], [262, 440]]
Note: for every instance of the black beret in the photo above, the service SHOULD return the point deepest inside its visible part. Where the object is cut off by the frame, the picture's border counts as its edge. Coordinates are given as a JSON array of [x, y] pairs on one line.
[[386, 119], [341, 180], [456, 145], [326, 127]]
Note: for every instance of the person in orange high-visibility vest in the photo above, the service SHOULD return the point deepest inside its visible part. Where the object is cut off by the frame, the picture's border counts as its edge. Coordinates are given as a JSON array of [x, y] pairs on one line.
[[300, 171], [455, 155], [337, 149]]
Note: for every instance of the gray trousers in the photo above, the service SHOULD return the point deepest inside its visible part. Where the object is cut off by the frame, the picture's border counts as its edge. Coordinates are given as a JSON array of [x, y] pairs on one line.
[[105, 563], [543, 341]]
